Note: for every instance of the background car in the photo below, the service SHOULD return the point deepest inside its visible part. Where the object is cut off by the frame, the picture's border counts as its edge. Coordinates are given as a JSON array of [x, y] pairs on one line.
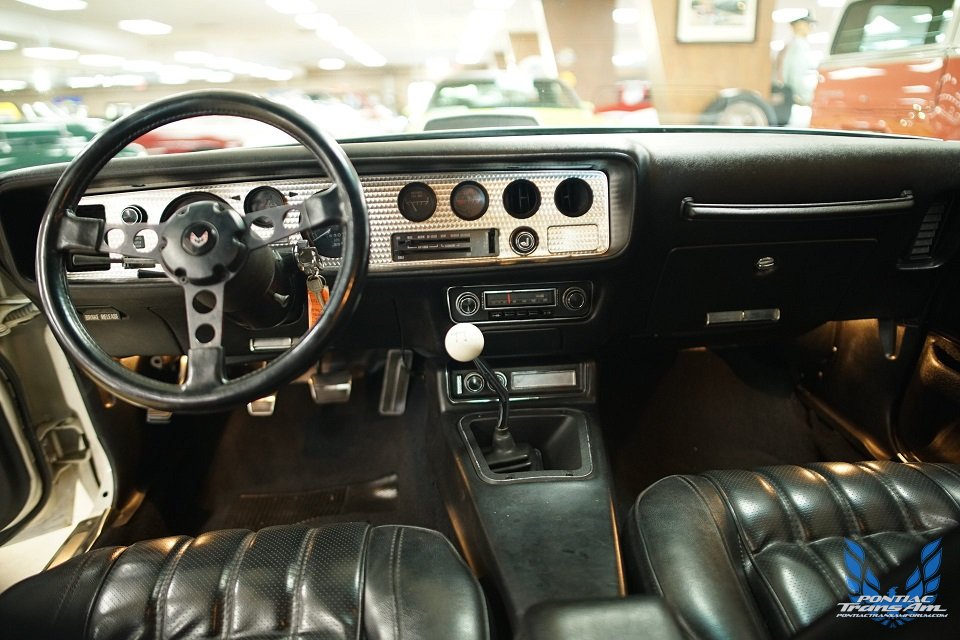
[[507, 99]]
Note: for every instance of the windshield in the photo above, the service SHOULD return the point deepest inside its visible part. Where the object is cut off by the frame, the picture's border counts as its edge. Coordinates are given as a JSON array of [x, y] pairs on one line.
[[364, 68]]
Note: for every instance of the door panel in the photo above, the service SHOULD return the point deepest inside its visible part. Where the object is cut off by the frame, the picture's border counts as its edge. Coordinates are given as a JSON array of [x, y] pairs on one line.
[[929, 422]]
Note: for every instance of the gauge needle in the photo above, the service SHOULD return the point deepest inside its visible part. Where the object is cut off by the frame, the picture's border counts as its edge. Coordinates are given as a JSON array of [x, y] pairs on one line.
[[322, 234]]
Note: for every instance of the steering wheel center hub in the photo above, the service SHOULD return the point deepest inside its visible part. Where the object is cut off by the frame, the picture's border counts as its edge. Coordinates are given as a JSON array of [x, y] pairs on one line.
[[199, 239], [202, 243]]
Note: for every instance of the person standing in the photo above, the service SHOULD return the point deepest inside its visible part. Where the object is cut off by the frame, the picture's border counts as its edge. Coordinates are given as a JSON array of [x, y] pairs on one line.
[[793, 63]]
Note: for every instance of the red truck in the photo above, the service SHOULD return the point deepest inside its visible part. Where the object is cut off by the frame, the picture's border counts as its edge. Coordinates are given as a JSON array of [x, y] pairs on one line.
[[892, 68]]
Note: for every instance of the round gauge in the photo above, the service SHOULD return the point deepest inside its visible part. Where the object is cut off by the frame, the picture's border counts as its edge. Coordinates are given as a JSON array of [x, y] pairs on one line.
[[328, 241], [188, 199], [469, 200], [263, 198], [417, 202]]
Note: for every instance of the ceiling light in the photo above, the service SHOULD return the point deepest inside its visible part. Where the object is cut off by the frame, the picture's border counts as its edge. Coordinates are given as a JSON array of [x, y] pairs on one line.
[[84, 82], [127, 80], [344, 39], [626, 15], [493, 4], [12, 85], [193, 57], [331, 64], [145, 27], [6, 45], [292, 7], [316, 21], [219, 76], [279, 75], [50, 53], [56, 5], [42, 81], [141, 66], [100, 60]]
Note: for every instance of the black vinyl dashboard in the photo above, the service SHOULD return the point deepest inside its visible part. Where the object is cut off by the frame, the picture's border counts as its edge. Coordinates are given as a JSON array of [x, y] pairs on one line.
[[553, 242]]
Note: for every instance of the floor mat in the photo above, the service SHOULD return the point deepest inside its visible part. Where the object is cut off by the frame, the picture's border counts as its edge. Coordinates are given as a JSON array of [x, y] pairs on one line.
[[258, 510], [298, 463], [698, 410]]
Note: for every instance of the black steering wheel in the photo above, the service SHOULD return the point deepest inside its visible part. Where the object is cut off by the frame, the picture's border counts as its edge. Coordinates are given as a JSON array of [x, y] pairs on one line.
[[201, 247]]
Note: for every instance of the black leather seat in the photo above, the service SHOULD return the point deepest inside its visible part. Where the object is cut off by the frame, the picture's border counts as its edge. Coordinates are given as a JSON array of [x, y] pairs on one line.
[[759, 554], [301, 582]]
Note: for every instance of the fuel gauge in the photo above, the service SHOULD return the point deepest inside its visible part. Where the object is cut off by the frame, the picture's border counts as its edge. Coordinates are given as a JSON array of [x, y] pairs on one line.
[[417, 202]]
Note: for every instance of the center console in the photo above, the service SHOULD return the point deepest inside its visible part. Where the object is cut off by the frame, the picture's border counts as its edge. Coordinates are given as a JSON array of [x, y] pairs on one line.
[[534, 517]]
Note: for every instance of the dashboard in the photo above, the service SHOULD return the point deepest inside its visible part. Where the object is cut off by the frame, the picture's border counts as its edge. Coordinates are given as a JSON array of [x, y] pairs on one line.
[[432, 219], [554, 242]]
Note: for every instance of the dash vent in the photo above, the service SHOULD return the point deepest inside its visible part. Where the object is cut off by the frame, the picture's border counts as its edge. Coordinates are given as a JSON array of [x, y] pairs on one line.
[[926, 240]]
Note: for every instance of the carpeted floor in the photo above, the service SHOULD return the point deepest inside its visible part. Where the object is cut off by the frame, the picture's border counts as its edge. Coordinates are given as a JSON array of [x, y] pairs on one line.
[[698, 410], [329, 463]]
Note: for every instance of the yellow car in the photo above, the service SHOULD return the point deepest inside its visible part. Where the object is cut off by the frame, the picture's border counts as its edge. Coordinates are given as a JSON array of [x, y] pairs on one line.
[[503, 99]]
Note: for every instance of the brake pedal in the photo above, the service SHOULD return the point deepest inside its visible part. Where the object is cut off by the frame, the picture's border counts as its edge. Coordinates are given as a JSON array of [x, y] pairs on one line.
[[396, 381], [262, 407], [331, 388]]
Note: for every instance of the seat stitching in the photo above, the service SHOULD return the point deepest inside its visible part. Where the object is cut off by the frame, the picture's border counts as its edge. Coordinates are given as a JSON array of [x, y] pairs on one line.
[[96, 596], [803, 544], [296, 612], [393, 583], [747, 557], [73, 583], [398, 594], [226, 578], [841, 498], [643, 545], [897, 498], [951, 472], [163, 581], [842, 577], [792, 515], [362, 581]]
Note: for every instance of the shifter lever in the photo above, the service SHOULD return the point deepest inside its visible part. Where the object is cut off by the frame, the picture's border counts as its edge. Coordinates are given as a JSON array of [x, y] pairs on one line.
[[464, 343]]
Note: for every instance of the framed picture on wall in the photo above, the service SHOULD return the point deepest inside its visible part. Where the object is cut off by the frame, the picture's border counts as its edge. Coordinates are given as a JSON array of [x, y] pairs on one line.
[[716, 20]]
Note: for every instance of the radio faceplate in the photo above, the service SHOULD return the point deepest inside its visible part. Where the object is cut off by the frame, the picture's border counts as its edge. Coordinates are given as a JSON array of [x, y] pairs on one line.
[[520, 303]]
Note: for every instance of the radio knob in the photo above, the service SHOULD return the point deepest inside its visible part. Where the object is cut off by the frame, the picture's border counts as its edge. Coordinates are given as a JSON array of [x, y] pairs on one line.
[[473, 382], [467, 304], [574, 298]]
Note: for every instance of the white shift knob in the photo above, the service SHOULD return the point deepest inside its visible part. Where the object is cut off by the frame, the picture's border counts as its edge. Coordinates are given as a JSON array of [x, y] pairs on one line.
[[464, 342]]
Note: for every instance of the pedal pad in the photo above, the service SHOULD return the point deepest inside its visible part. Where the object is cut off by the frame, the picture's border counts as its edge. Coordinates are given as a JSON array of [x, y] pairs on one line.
[[396, 382], [155, 416], [331, 388], [262, 407]]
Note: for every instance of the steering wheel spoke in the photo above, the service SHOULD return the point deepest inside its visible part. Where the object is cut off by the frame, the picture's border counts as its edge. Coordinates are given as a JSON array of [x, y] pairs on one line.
[[204, 306], [140, 240], [276, 223], [204, 369]]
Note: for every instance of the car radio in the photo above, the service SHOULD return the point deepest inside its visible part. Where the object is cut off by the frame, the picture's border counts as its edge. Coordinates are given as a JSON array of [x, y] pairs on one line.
[[520, 303]]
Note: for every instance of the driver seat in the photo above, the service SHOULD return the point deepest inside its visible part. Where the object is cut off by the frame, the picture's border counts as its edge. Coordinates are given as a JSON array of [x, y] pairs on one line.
[[298, 581]]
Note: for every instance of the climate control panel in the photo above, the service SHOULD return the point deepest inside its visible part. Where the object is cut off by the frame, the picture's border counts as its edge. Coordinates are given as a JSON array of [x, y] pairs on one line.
[[521, 303]]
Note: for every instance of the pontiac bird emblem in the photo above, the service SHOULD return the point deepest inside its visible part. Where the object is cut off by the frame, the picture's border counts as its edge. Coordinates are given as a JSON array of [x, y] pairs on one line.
[[199, 240]]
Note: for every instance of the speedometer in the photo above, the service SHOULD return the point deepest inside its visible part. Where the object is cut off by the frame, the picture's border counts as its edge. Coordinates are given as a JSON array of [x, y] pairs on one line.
[[328, 241]]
